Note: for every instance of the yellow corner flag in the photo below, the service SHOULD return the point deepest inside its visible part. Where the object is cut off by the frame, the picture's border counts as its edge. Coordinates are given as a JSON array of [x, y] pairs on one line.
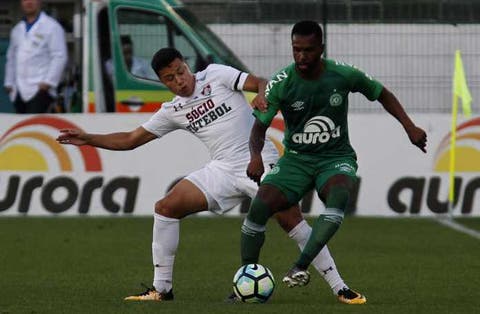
[[460, 87], [460, 90]]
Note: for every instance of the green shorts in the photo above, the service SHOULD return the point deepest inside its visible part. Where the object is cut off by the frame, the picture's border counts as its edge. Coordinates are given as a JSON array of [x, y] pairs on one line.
[[296, 174]]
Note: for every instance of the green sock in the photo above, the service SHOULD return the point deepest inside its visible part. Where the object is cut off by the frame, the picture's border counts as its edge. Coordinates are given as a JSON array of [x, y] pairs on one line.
[[251, 243], [323, 229], [253, 232], [325, 226]]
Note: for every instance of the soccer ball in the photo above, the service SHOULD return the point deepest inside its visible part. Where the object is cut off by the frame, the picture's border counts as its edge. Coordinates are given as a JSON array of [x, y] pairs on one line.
[[253, 283]]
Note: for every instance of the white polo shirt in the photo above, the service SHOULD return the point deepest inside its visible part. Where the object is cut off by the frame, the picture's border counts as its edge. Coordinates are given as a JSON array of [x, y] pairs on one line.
[[36, 56]]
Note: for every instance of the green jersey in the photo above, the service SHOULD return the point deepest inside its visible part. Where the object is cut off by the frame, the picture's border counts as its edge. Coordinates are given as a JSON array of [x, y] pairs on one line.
[[315, 111]]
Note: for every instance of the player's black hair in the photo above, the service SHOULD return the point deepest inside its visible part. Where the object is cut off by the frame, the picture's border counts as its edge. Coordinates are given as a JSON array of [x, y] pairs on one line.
[[305, 28], [164, 57]]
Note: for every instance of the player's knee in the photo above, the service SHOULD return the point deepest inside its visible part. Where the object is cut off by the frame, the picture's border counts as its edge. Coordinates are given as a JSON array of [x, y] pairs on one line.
[[259, 212], [165, 207], [338, 197], [273, 198]]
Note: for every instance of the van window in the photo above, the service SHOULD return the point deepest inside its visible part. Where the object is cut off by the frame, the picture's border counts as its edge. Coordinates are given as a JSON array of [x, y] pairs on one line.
[[209, 37], [142, 33]]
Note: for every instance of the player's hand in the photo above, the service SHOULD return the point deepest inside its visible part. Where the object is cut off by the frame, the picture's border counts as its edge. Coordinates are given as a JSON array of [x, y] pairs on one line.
[[255, 169], [8, 89], [260, 102], [418, 137], [72, 136]]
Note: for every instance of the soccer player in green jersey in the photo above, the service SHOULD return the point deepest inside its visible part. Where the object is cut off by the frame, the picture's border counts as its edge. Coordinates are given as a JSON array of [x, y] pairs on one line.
[[312, 94]]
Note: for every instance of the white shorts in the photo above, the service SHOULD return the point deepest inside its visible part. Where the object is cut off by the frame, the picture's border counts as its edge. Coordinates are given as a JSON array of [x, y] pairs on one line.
[[224, 187]]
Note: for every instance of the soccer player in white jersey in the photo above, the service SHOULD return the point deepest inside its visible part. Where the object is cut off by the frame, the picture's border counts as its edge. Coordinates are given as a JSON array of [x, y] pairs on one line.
[[208, 104]]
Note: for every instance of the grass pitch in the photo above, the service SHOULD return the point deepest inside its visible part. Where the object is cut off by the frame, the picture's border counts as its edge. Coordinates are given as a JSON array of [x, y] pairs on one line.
[[87, 265]]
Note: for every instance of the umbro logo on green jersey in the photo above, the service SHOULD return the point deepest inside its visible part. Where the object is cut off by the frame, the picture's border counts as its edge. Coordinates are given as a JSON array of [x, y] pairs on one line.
[[319, 129], [298, 105]]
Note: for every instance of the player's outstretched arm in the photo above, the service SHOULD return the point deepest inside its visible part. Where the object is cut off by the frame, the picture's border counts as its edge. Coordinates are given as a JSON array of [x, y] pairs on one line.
[[112, 141], [417, 135], [257, 85], [257, 141]]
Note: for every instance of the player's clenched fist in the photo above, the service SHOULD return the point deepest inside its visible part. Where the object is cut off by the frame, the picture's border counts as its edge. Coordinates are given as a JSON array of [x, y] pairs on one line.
[[255, 169], [260, 103], [418, 137]]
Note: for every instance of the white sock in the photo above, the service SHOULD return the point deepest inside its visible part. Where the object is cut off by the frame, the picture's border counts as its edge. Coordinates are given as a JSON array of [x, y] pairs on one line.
[[323, 262], [166, 233]]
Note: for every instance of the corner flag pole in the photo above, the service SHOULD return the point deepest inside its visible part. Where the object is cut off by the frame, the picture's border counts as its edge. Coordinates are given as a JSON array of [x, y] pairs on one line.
[[453, 137], [460, 90]]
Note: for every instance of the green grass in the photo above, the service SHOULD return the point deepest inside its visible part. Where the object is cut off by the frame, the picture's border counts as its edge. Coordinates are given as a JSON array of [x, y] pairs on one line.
[[87, 265], [471, 223]]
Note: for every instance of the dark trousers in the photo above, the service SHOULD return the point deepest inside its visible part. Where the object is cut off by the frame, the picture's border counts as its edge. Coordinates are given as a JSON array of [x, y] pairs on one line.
[[40, 103]]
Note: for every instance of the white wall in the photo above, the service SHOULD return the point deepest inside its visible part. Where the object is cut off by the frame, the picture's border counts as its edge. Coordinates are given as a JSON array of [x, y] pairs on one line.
[[413, 60]]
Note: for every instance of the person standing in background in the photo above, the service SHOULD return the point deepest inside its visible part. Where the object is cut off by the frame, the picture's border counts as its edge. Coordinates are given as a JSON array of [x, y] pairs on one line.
[[36, 59]]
